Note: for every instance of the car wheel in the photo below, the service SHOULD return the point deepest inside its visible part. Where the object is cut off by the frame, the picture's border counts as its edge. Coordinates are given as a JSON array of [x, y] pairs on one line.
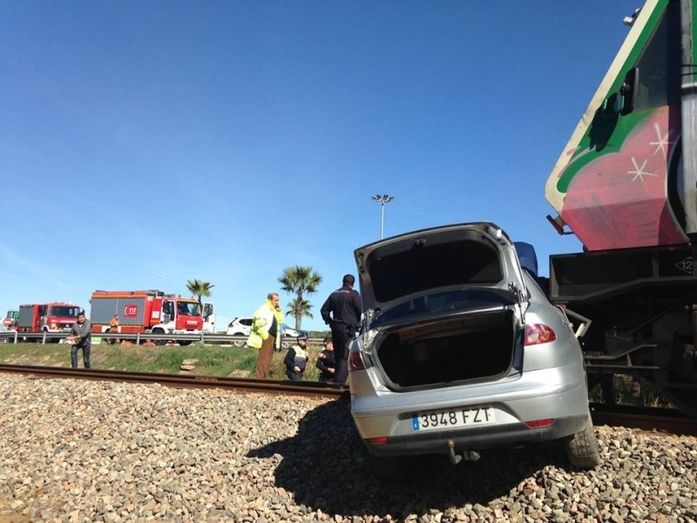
[[238, 343], [582, 448]]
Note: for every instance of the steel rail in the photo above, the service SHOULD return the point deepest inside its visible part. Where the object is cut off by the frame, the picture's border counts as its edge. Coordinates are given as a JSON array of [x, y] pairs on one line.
[[305, 388], [645, 418]]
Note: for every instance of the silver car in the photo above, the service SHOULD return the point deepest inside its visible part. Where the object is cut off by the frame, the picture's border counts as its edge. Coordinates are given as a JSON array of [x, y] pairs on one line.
[[460, 350]]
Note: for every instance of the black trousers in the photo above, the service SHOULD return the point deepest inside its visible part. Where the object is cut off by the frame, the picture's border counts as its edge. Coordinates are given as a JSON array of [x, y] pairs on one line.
[[342, 334], [85, 356]]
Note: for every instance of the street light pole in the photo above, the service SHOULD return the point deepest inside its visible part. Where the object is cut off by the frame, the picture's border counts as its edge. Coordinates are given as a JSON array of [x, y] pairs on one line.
[[382, 199]]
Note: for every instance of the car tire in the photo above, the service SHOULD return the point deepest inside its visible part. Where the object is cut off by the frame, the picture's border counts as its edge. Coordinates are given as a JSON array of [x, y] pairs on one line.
[[238, 343], [582, 448]]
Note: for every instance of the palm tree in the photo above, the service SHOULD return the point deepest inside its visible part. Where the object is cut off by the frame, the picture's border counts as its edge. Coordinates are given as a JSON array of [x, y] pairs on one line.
[[199, 289], [303, 306], [300, 281]]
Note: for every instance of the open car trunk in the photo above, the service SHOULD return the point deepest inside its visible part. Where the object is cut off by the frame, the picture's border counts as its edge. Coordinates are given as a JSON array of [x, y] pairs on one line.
[[476, 346]]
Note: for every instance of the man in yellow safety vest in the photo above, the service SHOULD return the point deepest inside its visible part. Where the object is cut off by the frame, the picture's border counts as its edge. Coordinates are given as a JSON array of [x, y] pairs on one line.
[[266, 332]]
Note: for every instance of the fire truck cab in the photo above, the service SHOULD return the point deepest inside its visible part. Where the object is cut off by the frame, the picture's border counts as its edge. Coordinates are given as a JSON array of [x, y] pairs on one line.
[[47, 317]]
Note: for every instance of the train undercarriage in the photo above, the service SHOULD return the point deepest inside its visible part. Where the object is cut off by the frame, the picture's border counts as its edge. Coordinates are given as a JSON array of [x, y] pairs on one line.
[[642, 307]]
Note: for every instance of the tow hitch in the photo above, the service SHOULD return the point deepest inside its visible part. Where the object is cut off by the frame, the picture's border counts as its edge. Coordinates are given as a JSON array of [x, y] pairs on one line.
[[467, 455]]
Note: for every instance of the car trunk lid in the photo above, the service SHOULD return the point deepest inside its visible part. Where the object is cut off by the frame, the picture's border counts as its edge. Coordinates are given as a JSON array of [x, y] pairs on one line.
[[471, 256]]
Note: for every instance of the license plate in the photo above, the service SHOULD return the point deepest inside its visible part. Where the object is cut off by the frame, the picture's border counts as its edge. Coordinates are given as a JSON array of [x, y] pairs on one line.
[[452, 418]]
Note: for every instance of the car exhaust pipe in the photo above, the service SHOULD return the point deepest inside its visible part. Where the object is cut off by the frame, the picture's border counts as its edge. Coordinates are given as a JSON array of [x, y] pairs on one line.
[[471, 455], [467, 455]]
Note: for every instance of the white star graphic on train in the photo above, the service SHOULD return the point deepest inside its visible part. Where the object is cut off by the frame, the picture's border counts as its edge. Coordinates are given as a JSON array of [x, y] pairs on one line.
[[662, 143], [638, 172]]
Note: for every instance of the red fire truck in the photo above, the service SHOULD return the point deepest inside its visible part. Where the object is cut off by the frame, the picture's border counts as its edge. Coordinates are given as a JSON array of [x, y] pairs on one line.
[[150, 311], [47, 317]]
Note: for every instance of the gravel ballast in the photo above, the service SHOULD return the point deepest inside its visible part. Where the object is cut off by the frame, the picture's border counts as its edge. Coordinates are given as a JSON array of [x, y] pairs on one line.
[[100, 451]]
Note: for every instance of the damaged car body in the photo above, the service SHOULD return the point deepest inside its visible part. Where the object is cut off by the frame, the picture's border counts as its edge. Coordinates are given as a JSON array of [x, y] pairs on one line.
[[460, 350]]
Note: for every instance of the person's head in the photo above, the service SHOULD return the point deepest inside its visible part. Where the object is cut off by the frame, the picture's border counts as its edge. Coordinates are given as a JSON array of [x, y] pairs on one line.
[[274, 299], [328, 343], [302, 339], [81, 317], [348, 280]]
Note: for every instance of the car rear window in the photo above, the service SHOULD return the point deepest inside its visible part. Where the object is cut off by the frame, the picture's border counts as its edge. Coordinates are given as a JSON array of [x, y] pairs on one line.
[[429, 265], [445, 303]]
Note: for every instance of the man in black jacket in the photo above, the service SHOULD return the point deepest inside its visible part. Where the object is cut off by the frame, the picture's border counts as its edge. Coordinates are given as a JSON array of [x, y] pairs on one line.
[[342, 312], [326, 362]]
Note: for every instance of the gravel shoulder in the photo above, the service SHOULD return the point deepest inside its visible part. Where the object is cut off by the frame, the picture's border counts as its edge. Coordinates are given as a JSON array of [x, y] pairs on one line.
[[97, 451]]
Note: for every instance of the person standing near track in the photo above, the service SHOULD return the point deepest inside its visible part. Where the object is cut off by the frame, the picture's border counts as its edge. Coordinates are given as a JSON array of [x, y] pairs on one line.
[[266, 332], [114, 329], [80, 338], [342, 312]]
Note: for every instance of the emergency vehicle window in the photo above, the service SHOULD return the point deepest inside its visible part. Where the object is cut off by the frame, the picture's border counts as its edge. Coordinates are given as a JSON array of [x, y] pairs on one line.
[[168, 308], [659, 65], [188, 308], [64, 311]]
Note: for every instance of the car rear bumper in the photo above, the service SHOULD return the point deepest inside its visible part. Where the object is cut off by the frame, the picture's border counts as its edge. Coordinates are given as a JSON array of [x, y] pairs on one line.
[[476, 439], [558, 394]]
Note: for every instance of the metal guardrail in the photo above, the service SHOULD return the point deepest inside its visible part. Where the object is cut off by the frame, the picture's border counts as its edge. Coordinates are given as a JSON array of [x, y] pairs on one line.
[[201, 337]]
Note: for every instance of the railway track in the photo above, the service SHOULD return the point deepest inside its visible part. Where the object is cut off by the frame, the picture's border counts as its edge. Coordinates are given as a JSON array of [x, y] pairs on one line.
[[182, 380], [644, 418], [665, 420]]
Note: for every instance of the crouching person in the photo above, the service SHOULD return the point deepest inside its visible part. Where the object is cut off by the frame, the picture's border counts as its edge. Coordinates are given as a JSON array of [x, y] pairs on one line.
[[326, 362], [296, 359]]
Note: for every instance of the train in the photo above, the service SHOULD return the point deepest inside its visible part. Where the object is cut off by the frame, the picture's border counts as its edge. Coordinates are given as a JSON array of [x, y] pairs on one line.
[[626, 185]]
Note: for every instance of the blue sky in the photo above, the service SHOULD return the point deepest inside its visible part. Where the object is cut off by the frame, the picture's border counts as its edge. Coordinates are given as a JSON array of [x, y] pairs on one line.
[[146, 143]]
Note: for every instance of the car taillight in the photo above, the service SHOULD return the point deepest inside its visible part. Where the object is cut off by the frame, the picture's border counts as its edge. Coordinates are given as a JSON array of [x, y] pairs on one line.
[[356, 361], [538, 333], [539, 423]]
